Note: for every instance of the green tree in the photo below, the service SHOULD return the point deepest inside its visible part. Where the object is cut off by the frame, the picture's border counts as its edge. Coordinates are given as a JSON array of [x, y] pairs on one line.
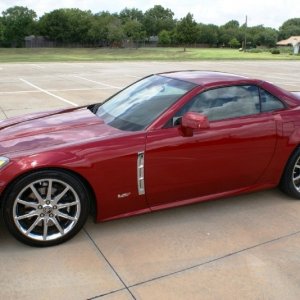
[[234, 43], [18, 22], [157, 19], [187, 30], [1, 30], [265, 36], [115, 33], [164, 38], [229, 31], [289, 28], [54, 25], [98, 32], [131, 14], [262, 36], [69, 25], [133, 29], [233, 24], [208, 34]]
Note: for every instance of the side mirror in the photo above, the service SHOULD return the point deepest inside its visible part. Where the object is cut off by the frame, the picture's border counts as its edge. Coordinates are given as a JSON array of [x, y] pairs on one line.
[[192, 121]]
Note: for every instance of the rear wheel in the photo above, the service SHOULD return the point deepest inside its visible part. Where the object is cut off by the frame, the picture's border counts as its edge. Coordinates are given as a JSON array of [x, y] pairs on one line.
[[46, 208], [290, 181]]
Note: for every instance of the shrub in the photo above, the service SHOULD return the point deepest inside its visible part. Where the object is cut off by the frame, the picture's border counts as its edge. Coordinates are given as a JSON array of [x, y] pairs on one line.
[[255, 50], [164, 38], [275, 51], [234, 43]]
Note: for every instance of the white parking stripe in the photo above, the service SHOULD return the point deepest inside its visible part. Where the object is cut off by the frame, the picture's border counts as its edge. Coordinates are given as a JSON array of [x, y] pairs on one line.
[[48, 93], [101, 83], [62, 90], [18, 92], [132, 76]]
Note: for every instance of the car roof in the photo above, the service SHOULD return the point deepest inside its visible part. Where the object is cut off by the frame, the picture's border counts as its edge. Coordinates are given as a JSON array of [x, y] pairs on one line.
[[209, 77]]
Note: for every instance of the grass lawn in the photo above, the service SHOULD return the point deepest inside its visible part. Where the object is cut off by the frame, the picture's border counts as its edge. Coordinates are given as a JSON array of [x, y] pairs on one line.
[[106, 54]]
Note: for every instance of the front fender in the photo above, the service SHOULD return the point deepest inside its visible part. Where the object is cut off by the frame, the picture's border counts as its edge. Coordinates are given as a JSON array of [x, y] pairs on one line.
[[22, 165]]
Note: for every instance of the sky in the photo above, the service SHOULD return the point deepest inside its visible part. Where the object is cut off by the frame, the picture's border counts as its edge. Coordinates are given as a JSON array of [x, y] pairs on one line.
[[270, 13]]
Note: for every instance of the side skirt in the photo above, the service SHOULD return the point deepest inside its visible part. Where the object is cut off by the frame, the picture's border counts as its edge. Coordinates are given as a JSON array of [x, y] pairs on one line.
[[193, 200]]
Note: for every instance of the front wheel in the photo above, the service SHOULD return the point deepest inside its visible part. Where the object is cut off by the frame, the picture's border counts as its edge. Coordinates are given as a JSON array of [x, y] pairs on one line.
[[290, 181], [46, 208]]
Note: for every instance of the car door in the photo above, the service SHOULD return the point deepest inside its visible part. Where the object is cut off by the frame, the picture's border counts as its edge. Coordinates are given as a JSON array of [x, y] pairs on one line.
[[229, 155]]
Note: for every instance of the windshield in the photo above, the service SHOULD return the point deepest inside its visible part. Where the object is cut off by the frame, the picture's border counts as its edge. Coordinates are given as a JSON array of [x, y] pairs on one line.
[[140, 104]]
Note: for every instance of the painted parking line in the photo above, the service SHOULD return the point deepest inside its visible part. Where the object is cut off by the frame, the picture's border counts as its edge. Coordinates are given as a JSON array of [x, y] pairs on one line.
[[55, 90], [18, 92], [132, 76], [48, 93], [97, 82]]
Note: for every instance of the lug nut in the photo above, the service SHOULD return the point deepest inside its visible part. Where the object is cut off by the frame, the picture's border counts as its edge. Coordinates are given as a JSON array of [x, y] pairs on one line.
[[51, 215], [54, 207], [48, 202], [40, 207], [42, 215]]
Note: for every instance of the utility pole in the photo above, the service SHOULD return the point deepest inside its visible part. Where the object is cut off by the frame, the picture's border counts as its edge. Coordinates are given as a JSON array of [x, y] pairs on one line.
[[245, 38]]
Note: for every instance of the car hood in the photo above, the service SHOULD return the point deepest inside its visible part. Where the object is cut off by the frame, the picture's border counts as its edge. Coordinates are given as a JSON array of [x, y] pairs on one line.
[[43, 130]]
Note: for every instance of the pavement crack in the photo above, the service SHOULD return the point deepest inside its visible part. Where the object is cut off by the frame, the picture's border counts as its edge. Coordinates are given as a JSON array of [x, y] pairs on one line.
[[2, 110], [215, 259], [106, 294], [108, 262]]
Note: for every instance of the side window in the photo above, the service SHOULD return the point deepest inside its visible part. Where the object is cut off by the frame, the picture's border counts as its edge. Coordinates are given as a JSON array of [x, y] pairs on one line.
[[269, 102], [224, 103]]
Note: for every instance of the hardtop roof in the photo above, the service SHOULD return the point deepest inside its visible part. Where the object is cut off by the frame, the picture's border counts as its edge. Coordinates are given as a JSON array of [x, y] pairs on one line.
[[207, 77]]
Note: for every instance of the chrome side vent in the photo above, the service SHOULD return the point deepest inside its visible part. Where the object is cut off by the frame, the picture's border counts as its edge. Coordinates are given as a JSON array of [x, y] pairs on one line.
[[140, 173]]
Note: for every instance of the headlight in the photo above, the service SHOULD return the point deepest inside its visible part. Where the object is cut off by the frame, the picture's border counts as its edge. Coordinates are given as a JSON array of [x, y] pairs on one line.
[[3, 161]]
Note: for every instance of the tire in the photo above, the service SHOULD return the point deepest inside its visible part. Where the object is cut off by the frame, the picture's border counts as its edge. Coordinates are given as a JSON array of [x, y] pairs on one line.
[[46, 208], [290, 181]]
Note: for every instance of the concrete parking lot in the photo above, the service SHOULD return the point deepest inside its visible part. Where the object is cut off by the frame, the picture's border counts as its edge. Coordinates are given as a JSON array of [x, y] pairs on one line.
[[245, 247]]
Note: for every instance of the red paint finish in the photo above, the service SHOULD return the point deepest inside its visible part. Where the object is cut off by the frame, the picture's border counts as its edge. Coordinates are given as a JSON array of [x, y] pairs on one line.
[[223, 158], [231, 154]]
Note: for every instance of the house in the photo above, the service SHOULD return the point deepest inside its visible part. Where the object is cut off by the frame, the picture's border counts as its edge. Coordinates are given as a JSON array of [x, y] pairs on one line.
[[294, 41]]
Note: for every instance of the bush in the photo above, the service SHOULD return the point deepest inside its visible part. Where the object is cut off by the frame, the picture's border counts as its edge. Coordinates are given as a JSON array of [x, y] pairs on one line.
[[286, 50], [255, 50], [164, 38], [234, 43], [275, 51]]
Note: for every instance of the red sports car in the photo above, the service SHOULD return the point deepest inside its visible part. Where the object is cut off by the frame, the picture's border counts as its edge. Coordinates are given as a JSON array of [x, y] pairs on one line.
[[167, 140]]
